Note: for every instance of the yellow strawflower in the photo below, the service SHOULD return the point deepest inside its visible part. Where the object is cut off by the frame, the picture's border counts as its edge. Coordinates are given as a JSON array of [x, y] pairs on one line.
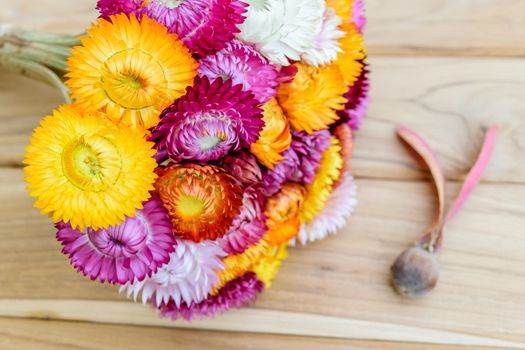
[[130, 70], [85, 170]]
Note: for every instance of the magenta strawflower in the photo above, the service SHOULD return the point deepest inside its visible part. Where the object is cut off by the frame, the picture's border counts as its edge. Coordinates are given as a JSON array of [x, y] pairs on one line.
[[300, 161], [357, 105], [243, 166], [210, 121], [249, 226], [204, 26], [286, 74], [109, 8], [235, 294], [243, 65], [119, 254]]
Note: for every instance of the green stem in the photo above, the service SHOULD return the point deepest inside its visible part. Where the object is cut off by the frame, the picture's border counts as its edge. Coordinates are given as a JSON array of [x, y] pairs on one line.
[[31, 36], [36, 54], [35, 71]]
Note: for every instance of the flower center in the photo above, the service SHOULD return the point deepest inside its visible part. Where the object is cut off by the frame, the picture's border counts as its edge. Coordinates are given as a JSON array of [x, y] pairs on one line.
[[133, 82], [170, 4], [91, 163], [189, 207], [133, 79], [208, 142]]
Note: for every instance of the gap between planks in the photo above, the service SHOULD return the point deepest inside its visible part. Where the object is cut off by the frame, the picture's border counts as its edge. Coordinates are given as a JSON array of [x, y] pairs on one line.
[[244, 320]]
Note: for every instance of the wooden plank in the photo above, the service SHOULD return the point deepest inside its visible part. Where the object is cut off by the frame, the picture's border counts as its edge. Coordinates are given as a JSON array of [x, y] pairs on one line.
[[446, 28], [396, 27], [55, 335], [344, 277], [448, 100], [247, 320]]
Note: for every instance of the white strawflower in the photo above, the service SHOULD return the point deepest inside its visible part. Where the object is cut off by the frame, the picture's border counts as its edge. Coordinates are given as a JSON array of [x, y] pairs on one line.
[[190, 275], [326, 43], [282, 29], [339, 207]]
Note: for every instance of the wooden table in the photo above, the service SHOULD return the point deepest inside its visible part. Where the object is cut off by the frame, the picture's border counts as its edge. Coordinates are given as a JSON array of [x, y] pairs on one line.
[[446, 68]]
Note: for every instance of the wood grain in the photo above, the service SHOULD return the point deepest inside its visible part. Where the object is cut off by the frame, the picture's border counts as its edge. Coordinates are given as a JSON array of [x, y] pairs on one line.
[[55, 335], [446, 68], [246, 320], [446, 28], [449, 101]]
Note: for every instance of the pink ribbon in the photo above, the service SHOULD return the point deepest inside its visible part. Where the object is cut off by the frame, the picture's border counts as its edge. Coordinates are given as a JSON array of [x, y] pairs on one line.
[[433, 238]]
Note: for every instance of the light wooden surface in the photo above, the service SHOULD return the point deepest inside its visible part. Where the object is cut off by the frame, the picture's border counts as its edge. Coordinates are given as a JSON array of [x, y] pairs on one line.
[[446, 68]]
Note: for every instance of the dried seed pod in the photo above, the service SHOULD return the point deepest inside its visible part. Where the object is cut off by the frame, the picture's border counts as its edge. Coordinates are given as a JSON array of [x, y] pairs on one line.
[[415, 272]]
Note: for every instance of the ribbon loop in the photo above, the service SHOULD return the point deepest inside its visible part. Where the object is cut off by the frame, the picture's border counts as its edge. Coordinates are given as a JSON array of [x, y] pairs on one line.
[[433, 239]]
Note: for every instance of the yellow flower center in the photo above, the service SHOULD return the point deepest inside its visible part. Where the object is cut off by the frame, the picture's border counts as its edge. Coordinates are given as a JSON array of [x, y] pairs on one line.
[[91, 163], [133, 82], [133, 79], [189, 207]]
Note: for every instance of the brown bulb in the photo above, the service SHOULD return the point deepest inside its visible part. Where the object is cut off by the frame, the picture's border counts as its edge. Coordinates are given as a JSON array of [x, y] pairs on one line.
[[415, 272]]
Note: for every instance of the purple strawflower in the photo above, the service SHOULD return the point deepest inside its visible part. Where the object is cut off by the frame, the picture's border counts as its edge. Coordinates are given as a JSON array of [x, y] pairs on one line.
[[120, 254], [249, 226], [243, 65], [300, 161], [208, 122], [273, 180], [309, 148], [234, 294], [356, 107]]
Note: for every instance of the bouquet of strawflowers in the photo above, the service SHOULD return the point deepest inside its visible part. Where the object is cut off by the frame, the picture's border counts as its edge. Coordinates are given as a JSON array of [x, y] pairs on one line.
[[201, 138]]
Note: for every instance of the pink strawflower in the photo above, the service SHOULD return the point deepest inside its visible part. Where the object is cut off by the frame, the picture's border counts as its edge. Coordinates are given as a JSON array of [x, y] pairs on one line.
[[336, 212], [109, 8], [358, 11], [249, 226], [243, 166], [235, 294], [188, 277], [205, 26], [357, 105], [300, 161], [119, 254], [207, 123], [243, 65]]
